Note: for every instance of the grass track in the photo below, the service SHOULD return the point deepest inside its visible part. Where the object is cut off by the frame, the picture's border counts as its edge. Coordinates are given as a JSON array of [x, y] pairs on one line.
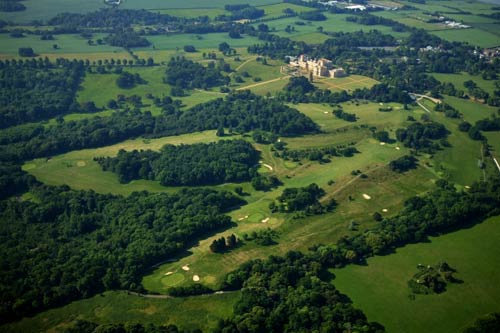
[[382, 283]]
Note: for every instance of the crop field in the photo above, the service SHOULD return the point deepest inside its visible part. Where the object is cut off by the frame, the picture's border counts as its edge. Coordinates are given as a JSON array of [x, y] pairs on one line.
[[73, 44], [458, 81], [382, 283], [78, 169], [487, 39], [117, 307]]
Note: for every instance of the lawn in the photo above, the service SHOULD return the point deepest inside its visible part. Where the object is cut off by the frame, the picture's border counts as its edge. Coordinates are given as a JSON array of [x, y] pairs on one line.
[[381, 284], [201, 312], [349, 83]]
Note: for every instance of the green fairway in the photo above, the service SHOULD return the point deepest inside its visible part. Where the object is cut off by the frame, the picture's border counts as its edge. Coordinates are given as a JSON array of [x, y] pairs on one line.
[[78, 169], [348, 83], [382, 283], [201, 312]]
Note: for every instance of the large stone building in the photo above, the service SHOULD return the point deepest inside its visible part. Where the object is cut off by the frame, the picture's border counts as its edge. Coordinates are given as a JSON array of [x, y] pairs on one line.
[[318, 67]]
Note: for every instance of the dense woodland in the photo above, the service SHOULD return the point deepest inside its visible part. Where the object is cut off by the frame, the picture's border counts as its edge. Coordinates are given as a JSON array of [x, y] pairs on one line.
[[187, 74], [65, 245], [31, 94], [198, 164], [241, 111]]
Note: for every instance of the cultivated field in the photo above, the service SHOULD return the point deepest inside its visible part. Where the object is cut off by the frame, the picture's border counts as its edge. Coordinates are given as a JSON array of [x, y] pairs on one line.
[[382, 283]]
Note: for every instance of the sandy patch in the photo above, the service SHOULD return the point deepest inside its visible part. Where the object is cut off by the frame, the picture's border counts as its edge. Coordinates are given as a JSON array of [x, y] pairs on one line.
[[467, 186], [382, 143], [397, 148], [169, 273], [366, 196], [81, 163], [196, 278], [185, 268], [265, 220], [326, 112], [268, 166], [243, 218], [385, 210]]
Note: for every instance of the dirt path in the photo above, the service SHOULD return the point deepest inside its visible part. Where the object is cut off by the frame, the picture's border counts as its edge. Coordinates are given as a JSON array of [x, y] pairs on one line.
[[243, 64], [264, 82]]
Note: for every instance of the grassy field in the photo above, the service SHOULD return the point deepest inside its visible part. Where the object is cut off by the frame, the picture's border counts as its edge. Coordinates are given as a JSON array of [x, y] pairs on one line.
[[470, 36], [382, 283], [67, 43], [459, 79], [178, 41], [78, 169], [189, 313]]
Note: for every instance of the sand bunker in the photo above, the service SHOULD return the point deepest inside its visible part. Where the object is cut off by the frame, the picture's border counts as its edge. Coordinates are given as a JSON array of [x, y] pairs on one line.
[[185, 268], [467, 186], [366, 196], [243, 218], [326, 112], [382, 143], [81, 163], [265, 220], [397, 148], [169, 273], [385, 210], [268, 166], [196, 278]]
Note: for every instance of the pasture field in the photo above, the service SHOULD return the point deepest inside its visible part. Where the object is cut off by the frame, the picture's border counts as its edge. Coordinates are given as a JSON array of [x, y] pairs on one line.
[[200, 41], [458, 81], [382, 283], [310, 38], [275, 10], [67, 43], [470, 36], [113, 307], [193, 12], [335, 23], [494, 142], [162, 4], [78, 169], [472, 111]]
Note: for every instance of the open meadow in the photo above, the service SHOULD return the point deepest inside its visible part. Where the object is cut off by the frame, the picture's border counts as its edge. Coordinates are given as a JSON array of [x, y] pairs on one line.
[[382, 283], [113, 307]]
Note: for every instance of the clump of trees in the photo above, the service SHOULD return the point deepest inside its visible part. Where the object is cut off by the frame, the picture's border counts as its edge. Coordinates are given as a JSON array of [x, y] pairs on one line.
[[432, 279], [403, 163], [197, 164], [224, 244], [419, 136], [127, 80], [26, 51], [312, 16], [301, 199], [351, 117], [265, 183], [187, 74], [126, 38], [485, 324], [241, 11], [11, 6]]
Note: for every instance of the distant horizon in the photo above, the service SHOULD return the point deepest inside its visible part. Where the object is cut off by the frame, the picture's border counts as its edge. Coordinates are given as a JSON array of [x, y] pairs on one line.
[[497, 2]]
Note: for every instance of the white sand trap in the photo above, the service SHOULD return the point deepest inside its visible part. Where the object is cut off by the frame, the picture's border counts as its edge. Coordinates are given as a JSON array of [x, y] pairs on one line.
[[185, 268], [326, 112], [81, 163], [382, 143], [467, 186], [246, 216], [385, 210], [169, 273], [268, 166], [196, 278], [366, 196], [241, 219], [265, 220], [381, 103], [397, 148]]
